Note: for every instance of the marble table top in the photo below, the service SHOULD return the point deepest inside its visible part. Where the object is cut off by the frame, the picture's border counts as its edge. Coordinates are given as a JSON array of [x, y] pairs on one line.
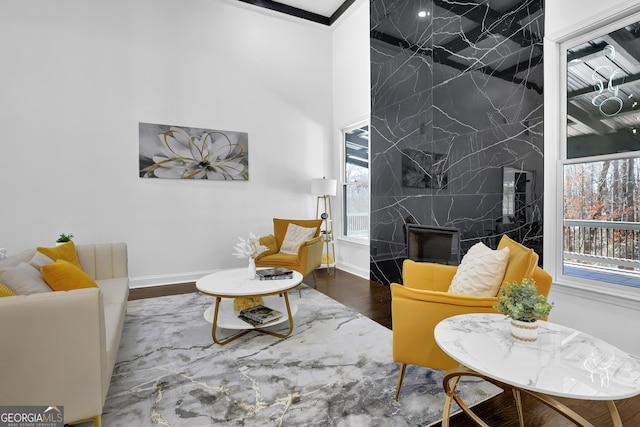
[[234, 283], [562, 362]]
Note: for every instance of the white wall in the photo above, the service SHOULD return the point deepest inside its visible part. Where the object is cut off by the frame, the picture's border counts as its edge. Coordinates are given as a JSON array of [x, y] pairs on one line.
[[613, 315], [77, 78], [351, 104]]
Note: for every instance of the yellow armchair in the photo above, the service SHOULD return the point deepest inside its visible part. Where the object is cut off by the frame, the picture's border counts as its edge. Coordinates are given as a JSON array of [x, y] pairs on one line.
[[309, 255], [422, 302]]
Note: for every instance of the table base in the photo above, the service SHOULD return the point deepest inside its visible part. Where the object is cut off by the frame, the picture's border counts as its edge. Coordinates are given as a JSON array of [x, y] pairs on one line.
[[453, 376], [214, 325]]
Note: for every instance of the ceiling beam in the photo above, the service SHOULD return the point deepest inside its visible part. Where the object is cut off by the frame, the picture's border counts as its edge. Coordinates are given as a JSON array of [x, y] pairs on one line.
[[620, 82], [579, 115], [301, 13], [594, 145]]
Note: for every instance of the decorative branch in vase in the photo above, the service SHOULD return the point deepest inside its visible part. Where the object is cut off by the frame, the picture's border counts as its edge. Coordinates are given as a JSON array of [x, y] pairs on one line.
[[248, 248]]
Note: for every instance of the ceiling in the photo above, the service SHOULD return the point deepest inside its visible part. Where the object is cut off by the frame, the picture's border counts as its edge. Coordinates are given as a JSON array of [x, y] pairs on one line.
[[321, 11]]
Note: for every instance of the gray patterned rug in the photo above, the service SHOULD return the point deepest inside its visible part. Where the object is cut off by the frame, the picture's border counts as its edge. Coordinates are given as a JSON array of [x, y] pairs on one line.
[[336, 369]]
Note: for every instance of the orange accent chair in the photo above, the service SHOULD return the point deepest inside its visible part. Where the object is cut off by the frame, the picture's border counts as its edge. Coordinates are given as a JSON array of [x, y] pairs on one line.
[[309, 256], [423, 301]]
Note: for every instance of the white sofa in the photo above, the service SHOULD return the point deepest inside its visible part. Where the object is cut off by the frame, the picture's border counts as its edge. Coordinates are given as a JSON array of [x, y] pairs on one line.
[[60, 348]]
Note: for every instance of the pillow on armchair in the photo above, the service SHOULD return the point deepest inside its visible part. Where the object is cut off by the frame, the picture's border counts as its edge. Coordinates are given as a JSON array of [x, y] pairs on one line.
[[481, 271], [294, 237], [270, 243]]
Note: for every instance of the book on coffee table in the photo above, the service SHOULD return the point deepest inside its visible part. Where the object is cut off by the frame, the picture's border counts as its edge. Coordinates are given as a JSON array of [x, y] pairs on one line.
[[274, 273], [259, 315]]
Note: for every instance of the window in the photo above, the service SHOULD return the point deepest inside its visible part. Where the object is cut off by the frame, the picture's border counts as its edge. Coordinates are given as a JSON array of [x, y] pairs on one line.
[[600, 164], [355, 183]]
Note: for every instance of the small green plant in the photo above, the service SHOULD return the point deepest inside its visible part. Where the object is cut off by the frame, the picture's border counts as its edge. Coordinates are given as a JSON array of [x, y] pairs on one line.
[[522, 301], [64, 238]]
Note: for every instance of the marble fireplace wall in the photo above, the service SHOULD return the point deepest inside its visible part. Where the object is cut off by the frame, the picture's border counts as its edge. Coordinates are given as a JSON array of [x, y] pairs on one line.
[[456, 98]]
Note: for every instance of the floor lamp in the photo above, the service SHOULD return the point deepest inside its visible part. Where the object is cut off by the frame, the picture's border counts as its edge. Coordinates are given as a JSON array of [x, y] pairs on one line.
[[325, 188]]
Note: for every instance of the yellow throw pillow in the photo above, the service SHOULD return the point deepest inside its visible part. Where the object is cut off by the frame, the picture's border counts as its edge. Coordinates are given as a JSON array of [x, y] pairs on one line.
[[5, 291], [271, 244], [65, 251], [64, 276]]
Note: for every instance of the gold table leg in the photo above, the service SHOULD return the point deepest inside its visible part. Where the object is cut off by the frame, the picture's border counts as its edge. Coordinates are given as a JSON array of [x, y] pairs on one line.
[[214, 325], [450, 382], [275, 334], [453, 376]]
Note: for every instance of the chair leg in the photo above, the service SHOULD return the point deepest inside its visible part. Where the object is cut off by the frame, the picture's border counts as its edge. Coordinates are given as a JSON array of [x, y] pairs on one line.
[[400, 377], [315, 283]]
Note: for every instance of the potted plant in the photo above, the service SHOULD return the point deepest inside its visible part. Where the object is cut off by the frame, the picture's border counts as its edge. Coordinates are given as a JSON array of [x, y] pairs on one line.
[[525, 306], [64, 238]]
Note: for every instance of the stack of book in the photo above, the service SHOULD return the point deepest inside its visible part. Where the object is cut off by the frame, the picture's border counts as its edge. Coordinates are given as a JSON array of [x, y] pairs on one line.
[[274, 273], [259, 315]]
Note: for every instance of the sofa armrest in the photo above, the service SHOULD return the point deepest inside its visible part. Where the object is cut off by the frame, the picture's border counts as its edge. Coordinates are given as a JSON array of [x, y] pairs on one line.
[[53, 351], [104, 261]]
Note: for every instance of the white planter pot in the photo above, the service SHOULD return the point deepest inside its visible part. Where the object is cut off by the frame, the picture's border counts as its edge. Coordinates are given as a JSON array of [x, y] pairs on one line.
[[524, 331]]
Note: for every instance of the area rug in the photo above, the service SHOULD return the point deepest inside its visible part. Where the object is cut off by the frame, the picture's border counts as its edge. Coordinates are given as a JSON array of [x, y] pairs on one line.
[[335, 369]]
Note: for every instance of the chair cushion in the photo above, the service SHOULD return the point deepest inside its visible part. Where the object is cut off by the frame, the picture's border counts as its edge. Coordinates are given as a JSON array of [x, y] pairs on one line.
[[295, 236], [64, 276], [279, 260], [65, 251], [24, 279], [481, 271], [522, 260]]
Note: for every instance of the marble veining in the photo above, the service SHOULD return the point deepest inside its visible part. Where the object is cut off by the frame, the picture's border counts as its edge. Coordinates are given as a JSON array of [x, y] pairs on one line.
[[336, 369], [561, 362], [462, 85]]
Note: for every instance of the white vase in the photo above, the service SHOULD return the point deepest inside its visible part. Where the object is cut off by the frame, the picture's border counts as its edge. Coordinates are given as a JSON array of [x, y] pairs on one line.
[[524, 331], [251, 269]]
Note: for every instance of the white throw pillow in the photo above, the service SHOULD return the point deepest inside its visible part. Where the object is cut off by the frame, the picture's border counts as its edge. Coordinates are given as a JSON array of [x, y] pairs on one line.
[[40, 259], [24, 279], [294, 237], [481, 272]]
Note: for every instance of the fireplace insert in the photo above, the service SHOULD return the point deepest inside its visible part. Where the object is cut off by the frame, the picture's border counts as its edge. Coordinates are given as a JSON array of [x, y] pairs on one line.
[[433, 244]]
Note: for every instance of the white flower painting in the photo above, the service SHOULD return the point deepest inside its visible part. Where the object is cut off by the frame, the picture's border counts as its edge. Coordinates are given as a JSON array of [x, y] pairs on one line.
[[192, 153]]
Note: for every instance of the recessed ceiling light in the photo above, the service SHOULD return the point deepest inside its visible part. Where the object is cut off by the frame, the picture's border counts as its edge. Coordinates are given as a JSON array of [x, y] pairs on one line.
[[423, 13]]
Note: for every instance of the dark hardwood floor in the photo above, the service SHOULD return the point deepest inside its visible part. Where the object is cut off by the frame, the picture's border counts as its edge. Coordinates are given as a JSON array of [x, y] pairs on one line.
[[374, 301]]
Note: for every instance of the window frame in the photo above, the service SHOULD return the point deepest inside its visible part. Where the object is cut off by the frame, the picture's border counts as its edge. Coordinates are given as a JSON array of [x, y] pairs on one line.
[[556, 156], [343, 183]]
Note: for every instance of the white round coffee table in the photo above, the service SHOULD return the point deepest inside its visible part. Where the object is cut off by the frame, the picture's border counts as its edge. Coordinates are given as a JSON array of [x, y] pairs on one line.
[[226, 285]]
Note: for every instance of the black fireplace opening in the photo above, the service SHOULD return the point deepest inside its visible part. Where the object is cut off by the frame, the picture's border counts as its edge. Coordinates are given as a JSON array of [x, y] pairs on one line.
[[433, 244]]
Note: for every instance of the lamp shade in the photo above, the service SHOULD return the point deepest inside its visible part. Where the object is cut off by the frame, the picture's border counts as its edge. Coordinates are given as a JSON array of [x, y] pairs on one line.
[[323, 186]]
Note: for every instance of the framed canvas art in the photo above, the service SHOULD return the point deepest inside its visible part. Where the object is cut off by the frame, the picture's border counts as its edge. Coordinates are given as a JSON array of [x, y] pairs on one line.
[[175, 152]]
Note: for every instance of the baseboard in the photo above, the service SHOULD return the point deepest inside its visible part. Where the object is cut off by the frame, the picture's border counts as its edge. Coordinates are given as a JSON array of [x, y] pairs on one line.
[[354, 269], [166, 279], [172, 279]]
